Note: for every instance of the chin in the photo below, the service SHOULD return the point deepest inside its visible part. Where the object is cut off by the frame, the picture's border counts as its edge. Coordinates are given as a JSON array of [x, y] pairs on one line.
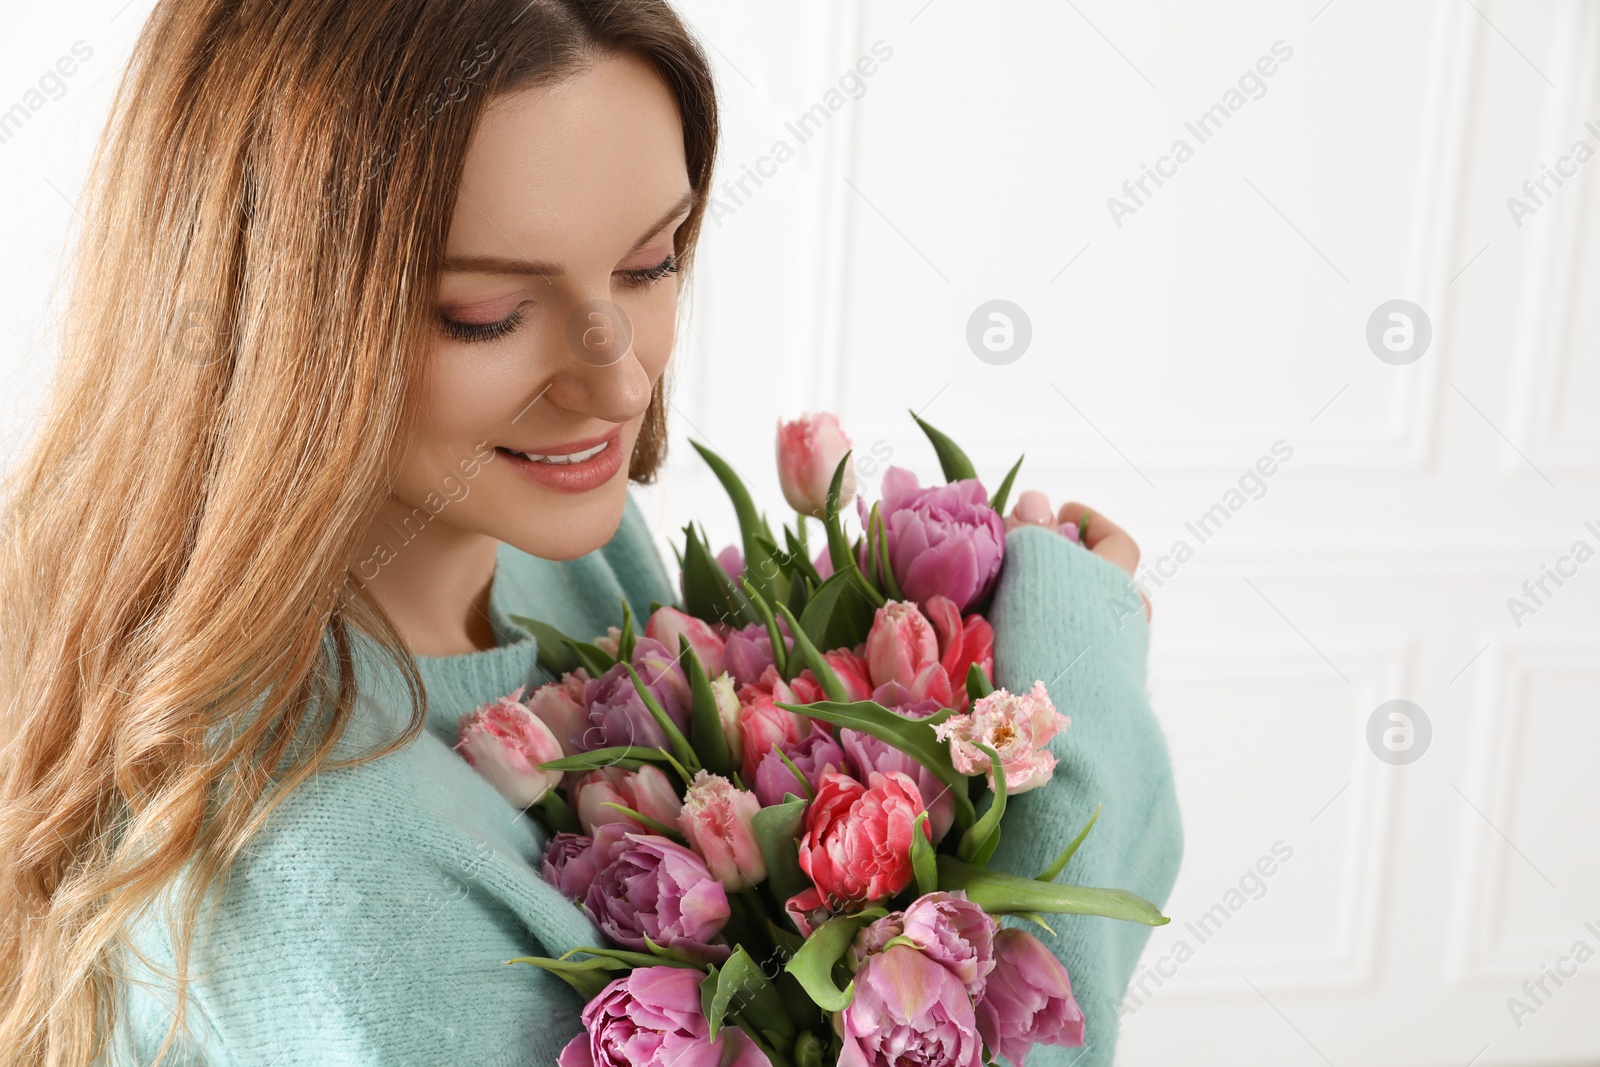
[[582, 527]]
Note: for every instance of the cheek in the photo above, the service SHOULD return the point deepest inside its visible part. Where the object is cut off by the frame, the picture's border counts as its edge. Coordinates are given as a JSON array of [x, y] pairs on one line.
[[655, 322]]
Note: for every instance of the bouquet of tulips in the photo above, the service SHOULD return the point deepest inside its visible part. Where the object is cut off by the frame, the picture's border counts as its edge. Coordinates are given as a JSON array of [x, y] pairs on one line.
[[778, 804]]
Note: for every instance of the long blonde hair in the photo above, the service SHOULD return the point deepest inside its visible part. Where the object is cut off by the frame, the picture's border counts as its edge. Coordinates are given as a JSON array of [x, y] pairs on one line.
[[248, 316]]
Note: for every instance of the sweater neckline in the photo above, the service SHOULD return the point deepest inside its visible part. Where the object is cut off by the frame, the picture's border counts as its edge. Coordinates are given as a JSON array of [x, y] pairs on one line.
[[458, 683]]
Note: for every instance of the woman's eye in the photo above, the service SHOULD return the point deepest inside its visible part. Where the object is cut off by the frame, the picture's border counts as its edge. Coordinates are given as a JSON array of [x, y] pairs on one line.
[[471, 332], [640, 278]]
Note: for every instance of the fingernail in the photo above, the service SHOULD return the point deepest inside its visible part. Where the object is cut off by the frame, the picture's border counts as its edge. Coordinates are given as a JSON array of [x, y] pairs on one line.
[[1034, 506]]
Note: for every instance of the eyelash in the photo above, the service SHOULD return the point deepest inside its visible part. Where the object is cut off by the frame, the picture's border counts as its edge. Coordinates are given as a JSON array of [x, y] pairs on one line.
[[490, 331]]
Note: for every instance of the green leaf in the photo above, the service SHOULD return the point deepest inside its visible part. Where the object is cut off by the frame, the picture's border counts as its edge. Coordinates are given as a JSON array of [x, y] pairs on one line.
[[555, 656], [979, 842], [777, 830], [998, 502], [797, 554], [978, 684], [780, 654], [915, 737], [625, 637], [557, 815], [812, 966], [820, 668], [662, 954], [595, 659], [805, 784], [588, 977], [743, 988], [1002, 894], [952, 460], [838, 615], [1052, 872], [611, 756], [636, 959], [1035, 917], [705, 724], [922, 861], [885, 567], [750, 525], [675, 738], [708, 592]]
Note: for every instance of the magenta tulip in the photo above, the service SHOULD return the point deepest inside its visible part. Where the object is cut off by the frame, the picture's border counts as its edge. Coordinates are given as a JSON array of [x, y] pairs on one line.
[[1027, 999], [648, 886], [651, 1017], [909, 1009], [944, 539], [668, 623]]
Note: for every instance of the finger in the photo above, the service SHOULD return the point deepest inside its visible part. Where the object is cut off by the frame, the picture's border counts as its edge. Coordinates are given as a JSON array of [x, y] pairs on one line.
[[1103, 537], [1033, 506]]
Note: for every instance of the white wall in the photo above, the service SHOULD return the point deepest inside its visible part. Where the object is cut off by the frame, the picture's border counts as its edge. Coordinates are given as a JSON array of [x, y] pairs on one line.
[[1227, 313]]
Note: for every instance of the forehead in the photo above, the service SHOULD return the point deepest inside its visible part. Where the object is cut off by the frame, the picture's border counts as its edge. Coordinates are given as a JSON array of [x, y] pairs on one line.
[[590, 160]]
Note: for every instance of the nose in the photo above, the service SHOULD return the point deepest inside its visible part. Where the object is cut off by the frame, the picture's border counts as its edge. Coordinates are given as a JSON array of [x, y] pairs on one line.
[[597, 372]]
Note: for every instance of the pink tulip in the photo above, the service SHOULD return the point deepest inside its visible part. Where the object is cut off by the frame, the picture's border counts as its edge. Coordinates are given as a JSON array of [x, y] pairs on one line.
[[857, 842], [1017, 726], [1027, 999], [762, 725], [809, 449], [505, 742], [866, 754], [908, 1009], [649, 887], [610, 641], [651, 1017], [668, 622], [569, 864], [962, 642], [732, 561], [900, 643], [646, 790], [716, 820], [947, 928], [559, 706], [943, 539]]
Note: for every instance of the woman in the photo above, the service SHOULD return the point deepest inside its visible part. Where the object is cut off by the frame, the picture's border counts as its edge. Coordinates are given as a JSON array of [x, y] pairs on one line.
[[368, 339]]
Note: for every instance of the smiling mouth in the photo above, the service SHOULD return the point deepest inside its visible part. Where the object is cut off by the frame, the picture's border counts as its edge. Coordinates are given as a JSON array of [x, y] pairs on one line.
[[562, 459]]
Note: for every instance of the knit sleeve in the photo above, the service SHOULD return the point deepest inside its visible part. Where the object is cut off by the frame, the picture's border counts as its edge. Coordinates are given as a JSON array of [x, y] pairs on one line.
[[1065, 616], [370, 925]]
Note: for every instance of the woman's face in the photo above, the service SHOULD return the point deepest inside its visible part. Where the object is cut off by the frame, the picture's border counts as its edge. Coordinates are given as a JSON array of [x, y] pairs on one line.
[[561, 245]]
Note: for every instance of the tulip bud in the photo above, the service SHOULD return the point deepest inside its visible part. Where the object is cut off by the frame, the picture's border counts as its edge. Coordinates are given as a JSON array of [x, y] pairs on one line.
[[809, 449], [668, 622], [716, 820], [505, 742], [646, 790]]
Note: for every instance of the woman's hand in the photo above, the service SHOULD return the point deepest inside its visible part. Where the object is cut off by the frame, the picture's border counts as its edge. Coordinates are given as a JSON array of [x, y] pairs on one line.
[[1101, 536]]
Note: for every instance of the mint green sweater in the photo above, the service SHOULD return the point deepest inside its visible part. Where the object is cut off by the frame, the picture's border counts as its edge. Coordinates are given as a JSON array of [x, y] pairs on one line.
[[371, 922]]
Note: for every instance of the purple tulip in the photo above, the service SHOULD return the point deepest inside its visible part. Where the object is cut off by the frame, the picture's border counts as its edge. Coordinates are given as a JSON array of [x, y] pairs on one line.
[[747, 653], [908, 1009], [946, 927], [1027, 999], [648, 886], [812, 755], [617, 714], [867, 754], [942, 539], [651, 1017], [569, 864]]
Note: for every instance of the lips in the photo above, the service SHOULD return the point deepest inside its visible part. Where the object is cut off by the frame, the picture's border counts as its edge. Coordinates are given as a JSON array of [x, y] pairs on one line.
[[578, 450]]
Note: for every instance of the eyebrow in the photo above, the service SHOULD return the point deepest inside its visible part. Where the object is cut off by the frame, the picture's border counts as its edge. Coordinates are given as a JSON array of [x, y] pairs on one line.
[[541, 268]]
